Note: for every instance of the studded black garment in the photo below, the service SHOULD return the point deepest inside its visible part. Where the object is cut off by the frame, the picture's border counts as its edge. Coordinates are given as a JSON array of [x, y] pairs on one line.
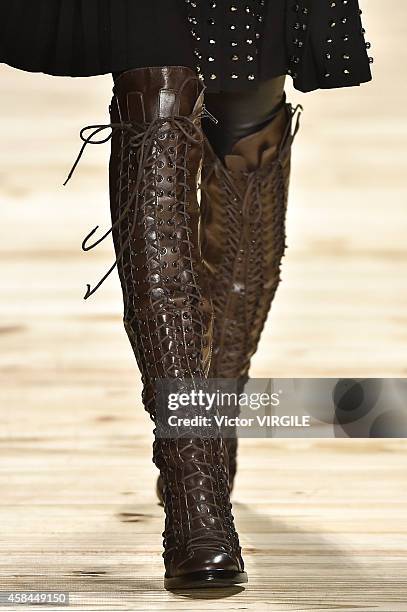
[[227, 37], [320, 43], [233, 44]]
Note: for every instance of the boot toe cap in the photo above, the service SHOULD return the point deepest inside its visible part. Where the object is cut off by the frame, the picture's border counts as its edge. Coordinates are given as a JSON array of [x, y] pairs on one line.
[[207, 561], [205, 569]]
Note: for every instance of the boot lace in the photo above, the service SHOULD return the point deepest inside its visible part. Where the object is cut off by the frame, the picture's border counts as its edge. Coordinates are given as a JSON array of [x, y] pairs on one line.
[[143, 139]]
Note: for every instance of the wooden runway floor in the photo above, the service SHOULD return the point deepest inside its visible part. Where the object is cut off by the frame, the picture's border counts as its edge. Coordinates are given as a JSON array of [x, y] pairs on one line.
[[323, 524]]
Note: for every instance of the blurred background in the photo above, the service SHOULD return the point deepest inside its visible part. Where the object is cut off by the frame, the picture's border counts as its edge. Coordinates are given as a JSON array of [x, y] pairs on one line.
[[75, 442]]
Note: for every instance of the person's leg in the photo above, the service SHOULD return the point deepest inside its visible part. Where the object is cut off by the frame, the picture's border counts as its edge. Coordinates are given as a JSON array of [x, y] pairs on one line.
[[242, 113], [157, 149], [244, 195]]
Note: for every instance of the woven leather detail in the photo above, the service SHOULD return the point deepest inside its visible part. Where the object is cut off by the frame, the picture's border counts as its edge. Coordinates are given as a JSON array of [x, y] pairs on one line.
[[168, 314]]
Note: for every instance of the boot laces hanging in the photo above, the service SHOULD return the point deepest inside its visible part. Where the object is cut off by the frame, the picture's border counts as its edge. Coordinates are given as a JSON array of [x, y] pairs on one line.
[[143, 140]]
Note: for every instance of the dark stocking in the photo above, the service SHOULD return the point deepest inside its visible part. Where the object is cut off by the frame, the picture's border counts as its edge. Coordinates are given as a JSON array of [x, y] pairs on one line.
[[240, 114]]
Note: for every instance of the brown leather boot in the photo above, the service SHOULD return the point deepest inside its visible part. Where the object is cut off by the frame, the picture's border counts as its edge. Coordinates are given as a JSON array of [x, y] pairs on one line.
[[243, 241], [154, 171]]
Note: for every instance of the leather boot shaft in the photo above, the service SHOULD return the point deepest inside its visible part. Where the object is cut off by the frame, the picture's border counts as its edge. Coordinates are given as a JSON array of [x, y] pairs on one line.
[[166, 304], [244, 204], [243, 239]]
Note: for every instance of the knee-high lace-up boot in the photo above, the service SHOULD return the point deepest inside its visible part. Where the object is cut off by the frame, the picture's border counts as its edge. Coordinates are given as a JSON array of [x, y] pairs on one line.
[[243, 206], [155, 164]]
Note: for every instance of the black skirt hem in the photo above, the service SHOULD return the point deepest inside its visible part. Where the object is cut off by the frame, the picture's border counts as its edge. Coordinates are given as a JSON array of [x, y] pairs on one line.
[[234, 88]]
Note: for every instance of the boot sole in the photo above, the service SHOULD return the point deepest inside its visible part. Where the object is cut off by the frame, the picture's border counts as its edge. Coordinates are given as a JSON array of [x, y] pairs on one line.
[[205, 579]]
